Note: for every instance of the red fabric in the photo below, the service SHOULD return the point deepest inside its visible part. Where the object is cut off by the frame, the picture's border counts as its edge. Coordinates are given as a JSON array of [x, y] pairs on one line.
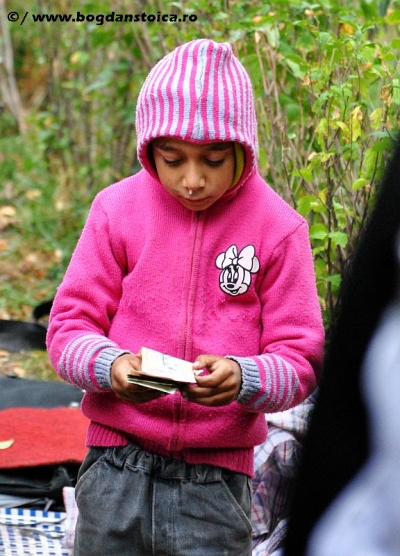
[[42, 436]]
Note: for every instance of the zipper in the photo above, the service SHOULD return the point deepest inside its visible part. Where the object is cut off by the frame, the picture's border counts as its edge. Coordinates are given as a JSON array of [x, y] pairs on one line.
[[192, 263], [185, 334]]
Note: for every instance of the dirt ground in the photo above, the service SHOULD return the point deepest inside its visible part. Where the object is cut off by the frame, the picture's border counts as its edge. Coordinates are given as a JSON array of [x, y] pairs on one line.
[[34, 364], [25, 281]]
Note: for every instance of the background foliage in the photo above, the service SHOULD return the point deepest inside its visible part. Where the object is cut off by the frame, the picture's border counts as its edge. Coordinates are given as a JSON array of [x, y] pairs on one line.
[[327, 85]]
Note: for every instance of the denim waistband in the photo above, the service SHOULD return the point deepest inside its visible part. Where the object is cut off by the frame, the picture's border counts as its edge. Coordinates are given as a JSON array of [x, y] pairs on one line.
[[134, 457]]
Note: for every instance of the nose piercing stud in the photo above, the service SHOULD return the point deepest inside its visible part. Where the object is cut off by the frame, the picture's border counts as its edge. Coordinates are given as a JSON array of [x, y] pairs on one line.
[[190, 192]]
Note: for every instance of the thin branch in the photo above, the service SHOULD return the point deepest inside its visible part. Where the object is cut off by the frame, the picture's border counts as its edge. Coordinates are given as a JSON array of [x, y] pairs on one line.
[[9, 85]]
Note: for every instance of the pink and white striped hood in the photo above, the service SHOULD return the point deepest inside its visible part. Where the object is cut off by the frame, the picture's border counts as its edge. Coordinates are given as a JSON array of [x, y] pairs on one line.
[[200, 92]]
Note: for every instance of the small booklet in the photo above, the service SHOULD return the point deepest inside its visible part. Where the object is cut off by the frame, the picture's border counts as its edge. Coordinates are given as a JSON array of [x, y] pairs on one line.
[[163, 372]]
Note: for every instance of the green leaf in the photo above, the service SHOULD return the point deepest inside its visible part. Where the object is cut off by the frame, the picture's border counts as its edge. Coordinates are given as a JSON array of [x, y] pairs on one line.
[[324, 38], [306, 204], [318, 231], [79, 57], [295, 67], [317, 250], [339, 238], [335, 280], [370, 161], [383, 145], [359, 184], [273, 36], [304, 173], [322, 127], [393, 18]]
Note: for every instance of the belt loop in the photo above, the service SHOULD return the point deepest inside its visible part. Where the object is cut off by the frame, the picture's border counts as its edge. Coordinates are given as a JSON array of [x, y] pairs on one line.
[[218, 473], [118, 455], [207, 473]]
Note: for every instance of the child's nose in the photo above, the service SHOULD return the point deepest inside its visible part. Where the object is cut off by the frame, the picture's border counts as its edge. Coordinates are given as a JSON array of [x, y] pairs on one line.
[[193, 179]]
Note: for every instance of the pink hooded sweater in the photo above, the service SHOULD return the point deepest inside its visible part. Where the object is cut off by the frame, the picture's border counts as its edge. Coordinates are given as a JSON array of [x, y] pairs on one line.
[[235, 280]]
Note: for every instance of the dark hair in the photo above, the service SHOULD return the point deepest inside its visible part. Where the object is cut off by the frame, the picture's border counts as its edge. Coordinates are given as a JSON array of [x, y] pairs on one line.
[[337, 444]]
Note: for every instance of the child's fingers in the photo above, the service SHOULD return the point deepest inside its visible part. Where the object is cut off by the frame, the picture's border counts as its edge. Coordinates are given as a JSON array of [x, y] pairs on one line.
[[210, 396], [220, 387], [205, 361], [221, 371]]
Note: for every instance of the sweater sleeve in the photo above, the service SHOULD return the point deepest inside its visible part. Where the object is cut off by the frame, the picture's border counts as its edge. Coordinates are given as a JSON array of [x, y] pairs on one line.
[[83, 308], [287, 369]]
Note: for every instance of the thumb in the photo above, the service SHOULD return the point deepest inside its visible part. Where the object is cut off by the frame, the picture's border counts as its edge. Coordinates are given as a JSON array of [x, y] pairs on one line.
[[205, 362]]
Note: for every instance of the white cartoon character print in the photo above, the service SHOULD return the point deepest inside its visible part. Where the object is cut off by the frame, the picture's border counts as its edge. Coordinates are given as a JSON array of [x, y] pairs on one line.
[[235, 277]]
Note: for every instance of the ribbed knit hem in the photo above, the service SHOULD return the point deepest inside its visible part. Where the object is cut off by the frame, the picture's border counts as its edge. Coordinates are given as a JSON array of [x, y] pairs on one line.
[[240, 460], [102, 365], [251, 383]]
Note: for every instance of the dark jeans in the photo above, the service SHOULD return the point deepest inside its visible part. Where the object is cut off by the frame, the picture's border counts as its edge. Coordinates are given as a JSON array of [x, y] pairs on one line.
[[135, 503]]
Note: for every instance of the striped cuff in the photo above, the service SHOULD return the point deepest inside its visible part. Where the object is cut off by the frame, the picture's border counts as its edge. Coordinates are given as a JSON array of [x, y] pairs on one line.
[[251, 382], [103, 363]]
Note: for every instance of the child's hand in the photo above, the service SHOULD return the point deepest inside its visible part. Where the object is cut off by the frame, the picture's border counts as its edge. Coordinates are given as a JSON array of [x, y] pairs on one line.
[[220, 387], [130, 364]]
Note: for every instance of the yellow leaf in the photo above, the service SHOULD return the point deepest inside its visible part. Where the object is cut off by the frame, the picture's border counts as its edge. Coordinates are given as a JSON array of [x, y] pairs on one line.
[[18, 371], [4, 244], [345, 130], [33, 194], [356, 113], [376, 118], [75, 57], [356, 119], [322, 195], [347, 29], [8, 210]]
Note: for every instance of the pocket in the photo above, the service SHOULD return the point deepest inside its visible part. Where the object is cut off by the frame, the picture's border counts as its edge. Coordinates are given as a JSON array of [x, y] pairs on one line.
[[237, 490], [93, 458]]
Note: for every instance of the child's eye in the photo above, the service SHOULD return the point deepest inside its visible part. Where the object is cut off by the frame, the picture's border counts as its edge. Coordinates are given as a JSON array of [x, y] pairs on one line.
[[172, 162], [214, 162]]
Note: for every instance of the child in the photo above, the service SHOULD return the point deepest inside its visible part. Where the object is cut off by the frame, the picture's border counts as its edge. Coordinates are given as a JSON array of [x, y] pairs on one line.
[[194, 256]]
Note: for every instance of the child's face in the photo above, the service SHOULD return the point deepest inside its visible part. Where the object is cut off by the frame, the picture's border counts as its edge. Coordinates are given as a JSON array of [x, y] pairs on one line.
[[196, 175]]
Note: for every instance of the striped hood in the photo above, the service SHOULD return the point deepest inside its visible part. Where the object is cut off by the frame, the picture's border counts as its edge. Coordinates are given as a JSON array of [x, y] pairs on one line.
[[200, 92]]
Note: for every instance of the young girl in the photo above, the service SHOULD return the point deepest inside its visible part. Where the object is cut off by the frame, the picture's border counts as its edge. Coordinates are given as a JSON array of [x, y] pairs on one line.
[[195, 256]]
